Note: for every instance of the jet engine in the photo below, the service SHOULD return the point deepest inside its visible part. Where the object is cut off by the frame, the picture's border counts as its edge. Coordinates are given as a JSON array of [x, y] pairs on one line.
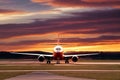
[[41, 58], [74, 58]]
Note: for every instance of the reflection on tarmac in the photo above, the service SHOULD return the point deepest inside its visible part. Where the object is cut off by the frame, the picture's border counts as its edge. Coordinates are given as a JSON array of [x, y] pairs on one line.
[[44, 76]]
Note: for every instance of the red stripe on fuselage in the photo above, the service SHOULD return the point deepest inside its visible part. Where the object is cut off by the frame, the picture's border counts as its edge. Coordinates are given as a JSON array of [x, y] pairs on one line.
[[58, 55]]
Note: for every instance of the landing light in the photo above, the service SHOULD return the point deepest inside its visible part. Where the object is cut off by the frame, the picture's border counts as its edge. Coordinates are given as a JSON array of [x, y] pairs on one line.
[[58, 49]]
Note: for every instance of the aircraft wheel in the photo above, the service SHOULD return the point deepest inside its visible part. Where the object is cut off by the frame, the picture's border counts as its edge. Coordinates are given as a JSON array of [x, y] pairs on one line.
[[48, 62], [66, 62], [58, 62]]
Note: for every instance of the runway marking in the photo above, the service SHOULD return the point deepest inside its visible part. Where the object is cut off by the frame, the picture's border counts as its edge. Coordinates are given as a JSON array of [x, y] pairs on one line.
[[44, 76], [60, 70]]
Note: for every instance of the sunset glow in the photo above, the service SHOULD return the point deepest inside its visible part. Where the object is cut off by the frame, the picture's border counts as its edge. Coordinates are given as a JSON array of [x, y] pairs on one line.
[[82, 25]]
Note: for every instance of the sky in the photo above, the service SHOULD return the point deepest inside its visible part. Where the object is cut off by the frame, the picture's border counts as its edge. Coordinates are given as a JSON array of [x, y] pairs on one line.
[[82, 25]]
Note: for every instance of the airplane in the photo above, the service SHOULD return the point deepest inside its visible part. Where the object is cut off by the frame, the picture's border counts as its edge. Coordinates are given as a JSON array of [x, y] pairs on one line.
[[58, 54]]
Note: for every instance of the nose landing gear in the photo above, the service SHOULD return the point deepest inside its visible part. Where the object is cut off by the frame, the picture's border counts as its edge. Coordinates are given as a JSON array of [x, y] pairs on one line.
[[58, 61]]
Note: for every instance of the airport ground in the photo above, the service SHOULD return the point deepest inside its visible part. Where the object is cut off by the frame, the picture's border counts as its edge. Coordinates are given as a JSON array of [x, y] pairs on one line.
[[92, 69]]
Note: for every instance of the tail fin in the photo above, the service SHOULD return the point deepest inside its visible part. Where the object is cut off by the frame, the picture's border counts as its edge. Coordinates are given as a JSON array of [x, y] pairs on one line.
[[58, 40]]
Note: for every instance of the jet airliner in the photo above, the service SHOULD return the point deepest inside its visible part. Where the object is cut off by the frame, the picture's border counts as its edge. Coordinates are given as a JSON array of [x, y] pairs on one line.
[[58, 54]]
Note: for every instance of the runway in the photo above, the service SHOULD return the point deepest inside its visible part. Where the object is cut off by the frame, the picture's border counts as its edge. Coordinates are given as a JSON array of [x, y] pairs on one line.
[[62, 63], [83, 70], [44, 76]]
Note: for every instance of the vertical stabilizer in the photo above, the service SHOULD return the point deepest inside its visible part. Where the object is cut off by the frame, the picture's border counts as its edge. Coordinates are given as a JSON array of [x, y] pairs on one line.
[[58, 40]]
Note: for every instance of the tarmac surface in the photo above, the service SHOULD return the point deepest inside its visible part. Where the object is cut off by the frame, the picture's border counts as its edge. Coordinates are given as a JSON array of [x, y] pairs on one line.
[[85, 70], [44, 76], [62, 63]]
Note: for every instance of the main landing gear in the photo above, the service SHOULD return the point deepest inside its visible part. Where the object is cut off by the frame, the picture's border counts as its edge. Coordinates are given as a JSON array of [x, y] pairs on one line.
[[48, 62], [66, 61]]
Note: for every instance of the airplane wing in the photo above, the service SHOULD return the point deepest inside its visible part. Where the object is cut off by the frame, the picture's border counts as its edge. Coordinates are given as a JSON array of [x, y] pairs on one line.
[[78, 55], [35, 54]]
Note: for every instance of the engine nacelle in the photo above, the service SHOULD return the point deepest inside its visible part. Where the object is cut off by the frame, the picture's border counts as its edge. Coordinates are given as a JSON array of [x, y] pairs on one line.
[[74, 58], [41, 58]]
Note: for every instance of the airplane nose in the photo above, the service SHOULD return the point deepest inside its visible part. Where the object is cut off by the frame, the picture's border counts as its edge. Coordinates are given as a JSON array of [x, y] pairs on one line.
[[58, 49]]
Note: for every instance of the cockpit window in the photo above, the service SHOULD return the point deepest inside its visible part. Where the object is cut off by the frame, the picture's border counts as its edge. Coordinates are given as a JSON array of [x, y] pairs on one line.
[[58, 49]]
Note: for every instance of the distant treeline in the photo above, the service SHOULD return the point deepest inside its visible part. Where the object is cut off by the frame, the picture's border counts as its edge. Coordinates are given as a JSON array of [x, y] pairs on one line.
[[105, 56], [101, 55], [9, 55]]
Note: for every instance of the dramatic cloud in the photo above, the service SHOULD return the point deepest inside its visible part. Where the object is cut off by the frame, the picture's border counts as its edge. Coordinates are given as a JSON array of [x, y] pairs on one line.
[[5, 1], [94, 22], [46, 43], [91, 40], [80, 3], [34, 24], [9, 11], [27, 42]]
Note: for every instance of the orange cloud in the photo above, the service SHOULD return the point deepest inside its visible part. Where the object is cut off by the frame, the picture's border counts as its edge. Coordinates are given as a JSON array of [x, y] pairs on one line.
[[39, 1], [49, 48], [48, 45], [8, 12], [100, 0], [80, 3]]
